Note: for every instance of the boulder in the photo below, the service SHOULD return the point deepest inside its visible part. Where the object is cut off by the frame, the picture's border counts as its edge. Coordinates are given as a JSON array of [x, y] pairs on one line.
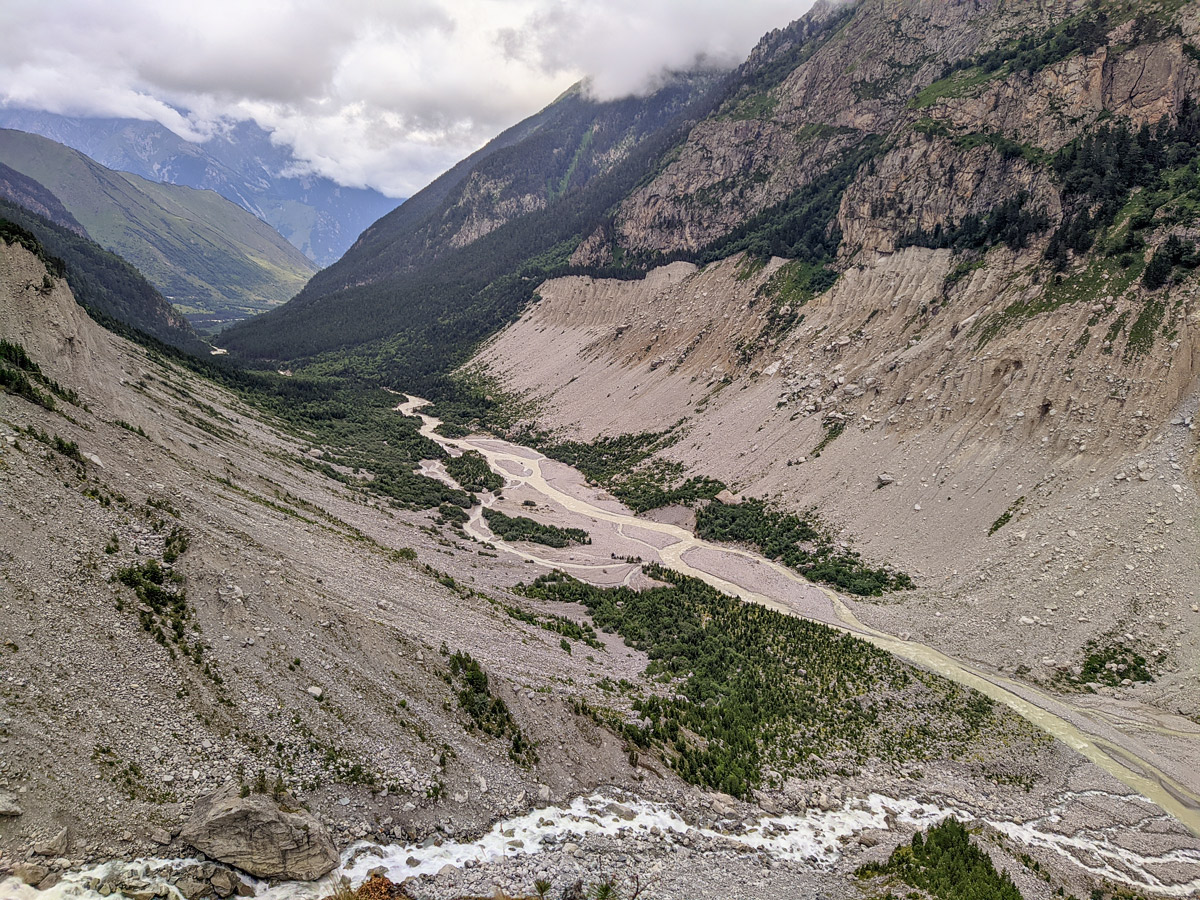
[[30, 873], [193, 888], [9, 805], [55, 846], [728, 497], [261, 836]]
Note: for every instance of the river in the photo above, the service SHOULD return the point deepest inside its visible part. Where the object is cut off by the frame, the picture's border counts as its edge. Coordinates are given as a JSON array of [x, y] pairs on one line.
[[816, 836]]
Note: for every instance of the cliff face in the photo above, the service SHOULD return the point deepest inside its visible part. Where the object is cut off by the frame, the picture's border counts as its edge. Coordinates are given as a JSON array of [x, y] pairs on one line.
[[878, 69], [1006, 339]]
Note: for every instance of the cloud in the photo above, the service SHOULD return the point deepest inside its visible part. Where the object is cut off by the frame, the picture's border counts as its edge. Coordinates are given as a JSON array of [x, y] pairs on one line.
[[368, 92]]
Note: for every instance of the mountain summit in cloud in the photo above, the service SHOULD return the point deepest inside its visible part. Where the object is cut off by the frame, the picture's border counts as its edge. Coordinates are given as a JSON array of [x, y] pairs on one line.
[[369, 95]]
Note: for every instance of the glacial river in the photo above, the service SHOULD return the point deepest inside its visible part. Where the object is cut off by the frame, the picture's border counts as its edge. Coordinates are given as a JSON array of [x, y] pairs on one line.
[[816, 836], [1116, 752]]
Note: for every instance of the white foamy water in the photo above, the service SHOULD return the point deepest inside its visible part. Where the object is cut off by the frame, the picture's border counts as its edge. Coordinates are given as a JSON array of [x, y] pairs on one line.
[[815, 837]]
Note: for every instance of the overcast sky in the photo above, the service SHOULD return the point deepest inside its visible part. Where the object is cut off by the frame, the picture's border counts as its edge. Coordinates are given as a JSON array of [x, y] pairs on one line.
[[369, 92]]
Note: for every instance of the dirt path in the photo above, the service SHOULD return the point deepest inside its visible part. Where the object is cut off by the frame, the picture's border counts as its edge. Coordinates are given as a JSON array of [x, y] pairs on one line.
[[1107, 737]]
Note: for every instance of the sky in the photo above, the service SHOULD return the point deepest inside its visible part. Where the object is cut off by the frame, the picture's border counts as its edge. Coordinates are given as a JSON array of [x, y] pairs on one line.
[[372, 93]]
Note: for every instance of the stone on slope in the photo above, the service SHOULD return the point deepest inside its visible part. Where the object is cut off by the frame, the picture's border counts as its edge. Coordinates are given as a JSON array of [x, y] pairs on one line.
[[55, 846], [30, 873], [260, 836]]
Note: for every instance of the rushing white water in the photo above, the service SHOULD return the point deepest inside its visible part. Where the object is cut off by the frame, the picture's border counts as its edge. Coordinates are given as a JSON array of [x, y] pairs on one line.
[[816, 838]]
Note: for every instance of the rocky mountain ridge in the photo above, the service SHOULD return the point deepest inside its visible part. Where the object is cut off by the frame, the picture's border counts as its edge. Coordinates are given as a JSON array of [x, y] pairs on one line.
[[1006, 417]]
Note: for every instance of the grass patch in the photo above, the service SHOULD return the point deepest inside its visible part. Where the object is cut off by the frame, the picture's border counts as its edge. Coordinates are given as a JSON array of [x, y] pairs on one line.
[[1005, 517], [522, 528], [833, 430], [1102, 276], [799, 543], [749, 689]]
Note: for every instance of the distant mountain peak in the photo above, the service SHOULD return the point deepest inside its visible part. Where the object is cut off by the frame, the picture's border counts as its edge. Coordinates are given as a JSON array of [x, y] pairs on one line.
[[241, 163]]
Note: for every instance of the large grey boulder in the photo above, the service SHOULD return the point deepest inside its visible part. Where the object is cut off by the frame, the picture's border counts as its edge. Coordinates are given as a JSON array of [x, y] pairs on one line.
[[261, 836], [8, 805]]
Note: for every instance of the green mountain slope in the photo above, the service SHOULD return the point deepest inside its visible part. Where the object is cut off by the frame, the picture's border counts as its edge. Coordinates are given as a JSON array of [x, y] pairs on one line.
[[838, 138], [24, 191], [317, 216], [455, 262], [213, 260], [104, 283]]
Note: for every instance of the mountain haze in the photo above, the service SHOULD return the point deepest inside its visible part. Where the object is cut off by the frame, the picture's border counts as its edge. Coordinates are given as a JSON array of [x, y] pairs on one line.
[[317, 216], [213, 260]]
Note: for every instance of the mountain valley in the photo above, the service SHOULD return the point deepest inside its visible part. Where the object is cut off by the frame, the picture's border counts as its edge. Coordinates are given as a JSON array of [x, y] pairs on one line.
[[211, 259], [719, 492]]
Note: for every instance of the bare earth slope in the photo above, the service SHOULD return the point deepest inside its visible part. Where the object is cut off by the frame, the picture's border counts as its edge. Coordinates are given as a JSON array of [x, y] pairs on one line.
[[323, 664], [1029, 406], [292, 583], [1103, 544]]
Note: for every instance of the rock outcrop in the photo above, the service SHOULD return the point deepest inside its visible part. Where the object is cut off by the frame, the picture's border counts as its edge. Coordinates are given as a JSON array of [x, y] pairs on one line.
[[261, 836]]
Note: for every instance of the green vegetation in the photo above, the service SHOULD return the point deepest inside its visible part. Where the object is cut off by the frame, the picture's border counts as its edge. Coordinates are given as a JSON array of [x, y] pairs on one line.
[[800, 226], [576, 631], [162, 608], [798, 543], [489, 714], [623, 466], [958, 84], [1101, 275], [138, 430], [22, 376], [1008, 223], [455, 516], [947, 864], [796, 282], [1144, 328], [473, 473], [1027, 55], [58, 444], [102, 282], [361, 433], [1099, 170], [216, 261], [833, 430], [1109, 663], [788, 289], [13, 233], [1173, 253], [521, 528], [1005, 517], [748, 688]]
